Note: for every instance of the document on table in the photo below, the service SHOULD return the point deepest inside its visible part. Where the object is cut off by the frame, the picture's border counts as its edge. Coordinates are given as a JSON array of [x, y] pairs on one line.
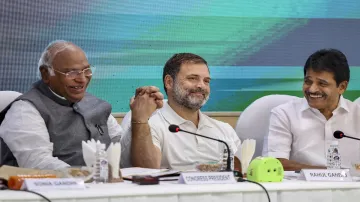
[[127, 173], [291, 175]]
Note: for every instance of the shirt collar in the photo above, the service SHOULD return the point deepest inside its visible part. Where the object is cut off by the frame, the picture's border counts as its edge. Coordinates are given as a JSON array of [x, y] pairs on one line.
[[342, 105], [173, 118], [57, 94]]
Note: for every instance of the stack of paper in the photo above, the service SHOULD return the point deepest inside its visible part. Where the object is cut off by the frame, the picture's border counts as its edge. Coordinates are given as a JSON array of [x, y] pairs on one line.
[[127, 173]]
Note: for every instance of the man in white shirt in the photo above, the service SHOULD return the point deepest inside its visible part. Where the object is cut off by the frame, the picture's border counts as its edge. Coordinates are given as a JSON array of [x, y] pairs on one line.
[[44, 128], [301, 131], [186, 80]]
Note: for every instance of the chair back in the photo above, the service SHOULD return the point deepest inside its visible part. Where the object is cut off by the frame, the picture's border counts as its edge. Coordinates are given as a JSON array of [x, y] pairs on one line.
[[253, 122]]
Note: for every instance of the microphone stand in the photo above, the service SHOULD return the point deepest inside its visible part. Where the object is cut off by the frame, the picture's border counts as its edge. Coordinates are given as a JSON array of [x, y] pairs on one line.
[[354, 138], [228, 161]]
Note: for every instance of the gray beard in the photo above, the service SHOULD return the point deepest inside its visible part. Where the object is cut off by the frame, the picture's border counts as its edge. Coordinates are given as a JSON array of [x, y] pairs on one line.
[[180, 97]]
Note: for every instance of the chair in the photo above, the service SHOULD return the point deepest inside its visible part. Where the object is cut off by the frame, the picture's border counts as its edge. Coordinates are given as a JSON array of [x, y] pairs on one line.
[[253, 122], [126, 122], [6, 97], [357, 101]]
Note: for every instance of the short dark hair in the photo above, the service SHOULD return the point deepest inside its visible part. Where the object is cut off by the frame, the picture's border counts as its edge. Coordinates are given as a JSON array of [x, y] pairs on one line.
[[172, 66], [330, 60]]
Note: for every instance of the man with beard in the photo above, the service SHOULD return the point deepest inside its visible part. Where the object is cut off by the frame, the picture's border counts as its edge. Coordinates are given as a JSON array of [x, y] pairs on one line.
[[301, 131], [186, 80]]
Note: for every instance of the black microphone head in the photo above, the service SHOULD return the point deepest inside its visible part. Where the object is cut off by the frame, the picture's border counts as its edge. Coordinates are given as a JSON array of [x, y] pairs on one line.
[[174, 128], [338, 134]]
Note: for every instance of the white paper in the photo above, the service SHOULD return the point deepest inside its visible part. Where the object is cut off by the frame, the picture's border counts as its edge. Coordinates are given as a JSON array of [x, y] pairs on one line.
[[291, 175], [129, 172], [325, 175], [207, 178], [113, 156], [52, 184], [247, 152]]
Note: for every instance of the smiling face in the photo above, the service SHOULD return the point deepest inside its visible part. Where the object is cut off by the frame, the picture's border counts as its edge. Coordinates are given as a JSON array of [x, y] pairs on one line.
[[72, 58], [321, 91], [191, 88]]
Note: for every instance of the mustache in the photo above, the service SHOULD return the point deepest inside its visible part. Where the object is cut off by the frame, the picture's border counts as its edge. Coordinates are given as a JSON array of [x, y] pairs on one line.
[[198, 90], [315, 93]]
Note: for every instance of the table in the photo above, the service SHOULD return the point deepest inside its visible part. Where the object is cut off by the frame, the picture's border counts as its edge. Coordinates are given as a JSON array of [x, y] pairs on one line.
[[287, 191]]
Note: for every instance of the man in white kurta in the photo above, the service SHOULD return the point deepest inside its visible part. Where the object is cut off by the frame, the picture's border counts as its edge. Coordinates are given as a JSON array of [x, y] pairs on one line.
[[302, 134], [301, 131]]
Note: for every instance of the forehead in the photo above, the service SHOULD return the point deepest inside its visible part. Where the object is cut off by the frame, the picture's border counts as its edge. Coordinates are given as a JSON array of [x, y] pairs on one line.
[[320, 75], [194, 69], [72, 57]]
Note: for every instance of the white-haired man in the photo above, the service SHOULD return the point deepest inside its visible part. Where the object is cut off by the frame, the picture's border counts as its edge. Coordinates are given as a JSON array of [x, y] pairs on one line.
[[44, 127]]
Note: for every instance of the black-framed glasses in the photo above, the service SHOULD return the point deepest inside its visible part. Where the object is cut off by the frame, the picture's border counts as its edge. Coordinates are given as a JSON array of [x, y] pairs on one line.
[[76, 73]]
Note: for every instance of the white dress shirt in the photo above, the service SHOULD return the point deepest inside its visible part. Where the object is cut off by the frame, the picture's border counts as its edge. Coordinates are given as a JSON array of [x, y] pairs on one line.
[[25, 133], [181, 151], [302, 134]]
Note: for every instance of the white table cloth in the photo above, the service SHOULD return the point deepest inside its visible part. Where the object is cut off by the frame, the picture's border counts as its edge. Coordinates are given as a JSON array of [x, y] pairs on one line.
[[287, 191]]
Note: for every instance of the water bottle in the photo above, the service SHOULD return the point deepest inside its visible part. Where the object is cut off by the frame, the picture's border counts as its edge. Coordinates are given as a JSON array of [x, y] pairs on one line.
[[333, 156], [101, 165]]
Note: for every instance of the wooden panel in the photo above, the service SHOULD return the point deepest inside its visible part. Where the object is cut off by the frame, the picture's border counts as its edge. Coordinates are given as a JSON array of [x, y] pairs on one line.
[[227, 119]]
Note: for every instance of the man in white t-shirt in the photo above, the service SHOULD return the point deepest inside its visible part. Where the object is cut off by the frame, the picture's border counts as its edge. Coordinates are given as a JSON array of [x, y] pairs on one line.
[[301, 131], [186, 80]]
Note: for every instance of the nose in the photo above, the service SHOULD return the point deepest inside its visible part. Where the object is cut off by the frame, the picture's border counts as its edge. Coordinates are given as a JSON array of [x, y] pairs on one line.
[[81, 77], [313, 88], [201, 84]]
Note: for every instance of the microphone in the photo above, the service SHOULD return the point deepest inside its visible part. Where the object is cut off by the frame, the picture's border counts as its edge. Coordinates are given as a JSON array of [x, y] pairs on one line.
[[339, 134], [174, 128]]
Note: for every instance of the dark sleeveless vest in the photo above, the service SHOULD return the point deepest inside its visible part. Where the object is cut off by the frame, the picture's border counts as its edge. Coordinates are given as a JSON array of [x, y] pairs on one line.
[[68, 123]]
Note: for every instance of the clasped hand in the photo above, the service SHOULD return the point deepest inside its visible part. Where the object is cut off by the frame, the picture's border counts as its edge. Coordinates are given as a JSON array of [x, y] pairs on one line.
[[146, 100]]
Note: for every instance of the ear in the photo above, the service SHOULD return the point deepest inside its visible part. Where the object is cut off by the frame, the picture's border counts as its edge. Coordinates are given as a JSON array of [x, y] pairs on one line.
[[45, 74], [168, 81], [342, 87]]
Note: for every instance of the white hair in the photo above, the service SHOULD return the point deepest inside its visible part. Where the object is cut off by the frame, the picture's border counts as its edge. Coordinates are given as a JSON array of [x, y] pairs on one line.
[[50, 52]]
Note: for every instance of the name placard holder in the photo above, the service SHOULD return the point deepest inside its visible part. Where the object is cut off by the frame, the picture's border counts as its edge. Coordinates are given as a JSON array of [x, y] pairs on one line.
[[207, 178], [52, 184], [325, 175]]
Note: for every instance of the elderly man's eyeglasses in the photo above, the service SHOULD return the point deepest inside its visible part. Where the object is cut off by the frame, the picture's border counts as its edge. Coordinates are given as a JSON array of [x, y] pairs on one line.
[[76, 73]]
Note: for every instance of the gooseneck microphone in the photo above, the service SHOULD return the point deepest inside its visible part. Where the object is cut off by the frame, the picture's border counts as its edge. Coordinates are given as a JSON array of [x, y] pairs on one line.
[[174, 128], [339, 134]]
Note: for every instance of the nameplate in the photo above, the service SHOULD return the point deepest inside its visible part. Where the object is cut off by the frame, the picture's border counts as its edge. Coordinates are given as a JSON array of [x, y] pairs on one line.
[[207, 178], [325, 175], [52, 184]]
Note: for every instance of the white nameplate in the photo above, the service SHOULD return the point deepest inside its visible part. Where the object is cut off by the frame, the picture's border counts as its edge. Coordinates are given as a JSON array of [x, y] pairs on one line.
[[52, 183], [325, 175], [207, 178]]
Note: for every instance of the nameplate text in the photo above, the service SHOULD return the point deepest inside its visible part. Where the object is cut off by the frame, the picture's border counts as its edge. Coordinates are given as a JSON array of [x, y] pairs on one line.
[[52, 184], [207, 178], [325, 175]]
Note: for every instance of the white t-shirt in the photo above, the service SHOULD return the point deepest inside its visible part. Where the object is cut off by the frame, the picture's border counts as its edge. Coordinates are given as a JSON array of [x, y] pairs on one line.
[[181, 151], [301, 133]]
